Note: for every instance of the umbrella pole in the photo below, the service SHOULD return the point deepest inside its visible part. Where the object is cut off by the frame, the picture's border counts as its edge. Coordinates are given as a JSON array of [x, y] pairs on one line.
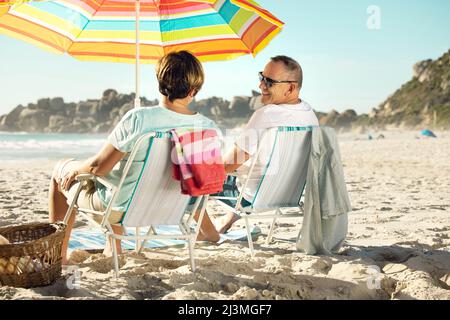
[[137, 99]]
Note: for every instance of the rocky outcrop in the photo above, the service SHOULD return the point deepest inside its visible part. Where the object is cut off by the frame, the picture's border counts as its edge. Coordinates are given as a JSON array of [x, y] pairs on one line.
[[421, 70], [33, 120], [342, 121], [240, 106], [55, 115], [10, 120], [100, 116], [213, 107]]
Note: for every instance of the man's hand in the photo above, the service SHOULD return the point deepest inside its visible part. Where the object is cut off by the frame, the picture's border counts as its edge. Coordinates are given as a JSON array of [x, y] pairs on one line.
[[235, 158]]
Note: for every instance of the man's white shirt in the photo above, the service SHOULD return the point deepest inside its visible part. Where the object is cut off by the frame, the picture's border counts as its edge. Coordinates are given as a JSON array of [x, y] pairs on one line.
[[295, 115]]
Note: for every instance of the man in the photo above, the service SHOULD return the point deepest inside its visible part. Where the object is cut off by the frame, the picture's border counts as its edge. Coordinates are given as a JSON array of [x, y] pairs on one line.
[[280, 84]]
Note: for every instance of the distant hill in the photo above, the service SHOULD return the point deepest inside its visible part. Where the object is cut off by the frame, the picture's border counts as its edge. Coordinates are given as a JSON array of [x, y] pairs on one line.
[[424, 101]]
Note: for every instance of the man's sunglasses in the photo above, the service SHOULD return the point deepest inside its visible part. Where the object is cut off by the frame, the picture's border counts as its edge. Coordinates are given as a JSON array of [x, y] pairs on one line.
[[270, 82]]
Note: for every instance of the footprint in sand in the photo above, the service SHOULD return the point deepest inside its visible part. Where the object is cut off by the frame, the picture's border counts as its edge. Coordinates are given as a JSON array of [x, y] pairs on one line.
[[9, 206], [439, 229], [391, 268], [437, 207], [40, 212]]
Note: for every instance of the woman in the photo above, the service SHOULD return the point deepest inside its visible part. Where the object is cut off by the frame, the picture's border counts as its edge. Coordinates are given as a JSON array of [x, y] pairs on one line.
[[180, 76]]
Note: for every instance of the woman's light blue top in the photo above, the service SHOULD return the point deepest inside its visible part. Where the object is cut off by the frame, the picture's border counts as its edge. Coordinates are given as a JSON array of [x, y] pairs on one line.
[[133, 125]]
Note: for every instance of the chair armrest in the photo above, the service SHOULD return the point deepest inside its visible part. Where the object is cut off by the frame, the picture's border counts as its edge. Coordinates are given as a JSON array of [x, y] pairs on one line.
[[106, 183], [85, 176], [222, 198], [90, 176]]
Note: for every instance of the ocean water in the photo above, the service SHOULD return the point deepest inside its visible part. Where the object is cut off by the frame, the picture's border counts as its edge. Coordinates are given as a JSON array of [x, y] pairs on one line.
[[40, 146], [54, 146]]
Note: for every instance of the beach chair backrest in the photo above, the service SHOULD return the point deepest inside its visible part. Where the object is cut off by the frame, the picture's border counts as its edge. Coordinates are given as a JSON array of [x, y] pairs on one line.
[[286, 167], [157, 198]]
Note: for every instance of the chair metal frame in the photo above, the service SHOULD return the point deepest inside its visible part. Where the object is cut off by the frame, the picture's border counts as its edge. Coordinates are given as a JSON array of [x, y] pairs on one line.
[[249, 212], [187, 232]]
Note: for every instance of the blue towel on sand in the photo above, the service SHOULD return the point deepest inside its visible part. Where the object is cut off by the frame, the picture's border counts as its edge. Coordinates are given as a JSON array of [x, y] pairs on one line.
[[93, 239]]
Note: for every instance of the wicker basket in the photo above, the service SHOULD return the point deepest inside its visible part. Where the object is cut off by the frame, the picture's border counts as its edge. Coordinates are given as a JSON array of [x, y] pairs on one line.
[[33, 257]]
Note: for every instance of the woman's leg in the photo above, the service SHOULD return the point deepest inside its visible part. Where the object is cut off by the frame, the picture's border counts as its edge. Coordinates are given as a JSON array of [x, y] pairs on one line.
[[208, 231], [230, 189], [58, 207], [108, 249], [94, 202], [223, 224]]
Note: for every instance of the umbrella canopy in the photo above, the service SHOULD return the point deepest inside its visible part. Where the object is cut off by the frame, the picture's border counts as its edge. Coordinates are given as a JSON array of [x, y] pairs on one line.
[[141, 30], [5, 4], [106, 30]]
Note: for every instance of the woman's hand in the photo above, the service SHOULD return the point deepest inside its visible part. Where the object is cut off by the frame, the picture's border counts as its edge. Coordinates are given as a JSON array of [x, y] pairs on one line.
[[68, 179]]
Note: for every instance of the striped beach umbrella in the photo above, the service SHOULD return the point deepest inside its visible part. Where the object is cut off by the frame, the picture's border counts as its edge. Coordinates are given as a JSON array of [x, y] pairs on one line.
[[8, 3], [142, 31], [5, 4]]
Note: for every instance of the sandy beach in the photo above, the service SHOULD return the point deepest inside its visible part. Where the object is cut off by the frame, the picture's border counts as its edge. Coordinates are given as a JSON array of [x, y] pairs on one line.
[[398, 245]]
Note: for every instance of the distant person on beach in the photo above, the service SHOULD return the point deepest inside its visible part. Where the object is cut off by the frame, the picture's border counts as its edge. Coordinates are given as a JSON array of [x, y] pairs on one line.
[[180, 76], [280, 84]]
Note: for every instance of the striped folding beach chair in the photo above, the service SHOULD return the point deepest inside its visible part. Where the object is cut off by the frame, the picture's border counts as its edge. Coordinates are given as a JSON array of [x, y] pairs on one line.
[[283, 181], [156, 200]]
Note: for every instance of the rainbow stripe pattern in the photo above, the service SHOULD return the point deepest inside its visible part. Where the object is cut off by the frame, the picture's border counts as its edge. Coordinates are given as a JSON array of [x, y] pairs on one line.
[[104, 30]]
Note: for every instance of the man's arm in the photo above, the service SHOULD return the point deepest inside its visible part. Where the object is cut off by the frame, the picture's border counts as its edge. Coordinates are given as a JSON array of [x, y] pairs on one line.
[[235, 158], [247, 140]]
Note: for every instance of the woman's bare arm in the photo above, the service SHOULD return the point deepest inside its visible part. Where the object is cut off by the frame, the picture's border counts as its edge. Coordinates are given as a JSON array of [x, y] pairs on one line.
[[100, 165]]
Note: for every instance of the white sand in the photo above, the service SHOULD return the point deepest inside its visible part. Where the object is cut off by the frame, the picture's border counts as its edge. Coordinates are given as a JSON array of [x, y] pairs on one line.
[[399, 187]]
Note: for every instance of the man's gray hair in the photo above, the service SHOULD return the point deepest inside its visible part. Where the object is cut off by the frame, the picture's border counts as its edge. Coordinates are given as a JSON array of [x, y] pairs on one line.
[[292, 67]]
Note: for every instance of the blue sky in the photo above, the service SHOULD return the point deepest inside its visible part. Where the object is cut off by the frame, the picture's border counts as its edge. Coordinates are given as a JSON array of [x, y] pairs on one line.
[[346, 64]]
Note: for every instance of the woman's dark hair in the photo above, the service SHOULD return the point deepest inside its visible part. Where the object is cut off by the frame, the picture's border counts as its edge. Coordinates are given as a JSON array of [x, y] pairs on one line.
[[179, 73]]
